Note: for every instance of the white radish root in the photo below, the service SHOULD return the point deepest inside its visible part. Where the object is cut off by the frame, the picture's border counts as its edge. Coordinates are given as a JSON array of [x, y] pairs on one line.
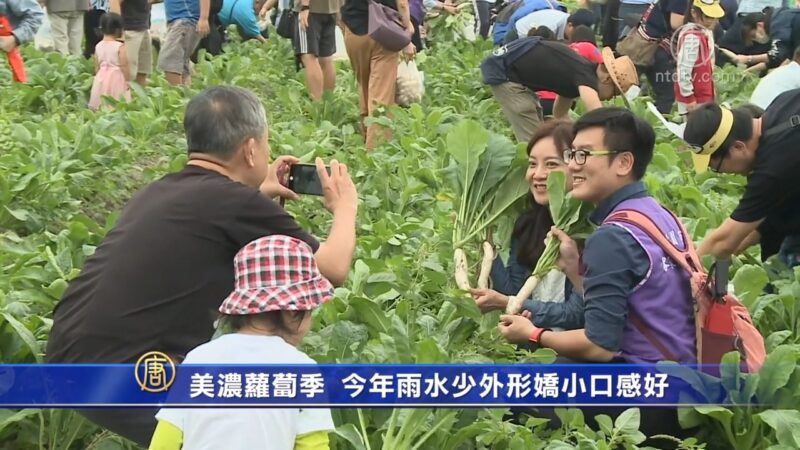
[[486, 265], [515, 301], [462, 278]]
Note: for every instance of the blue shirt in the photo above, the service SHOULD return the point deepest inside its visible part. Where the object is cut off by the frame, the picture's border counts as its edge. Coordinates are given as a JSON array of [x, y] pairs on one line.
[[615, 263], [242, 14], [25, 17], [182, 9], [508, 279]]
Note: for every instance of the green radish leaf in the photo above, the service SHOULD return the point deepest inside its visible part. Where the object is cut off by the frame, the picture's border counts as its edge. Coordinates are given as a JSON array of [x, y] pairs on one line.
[[27, 337], [749, 283], [556, 192], [786, 424], [466, 142], [371, 314], [628, 422], [350, 433], [775, 372], [495, 165]]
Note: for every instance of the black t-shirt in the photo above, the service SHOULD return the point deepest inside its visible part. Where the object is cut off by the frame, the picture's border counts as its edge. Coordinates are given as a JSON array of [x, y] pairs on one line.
[[554, 66], [355, 14], [772, 190], [657, 24], [160, 274], [135, 15]]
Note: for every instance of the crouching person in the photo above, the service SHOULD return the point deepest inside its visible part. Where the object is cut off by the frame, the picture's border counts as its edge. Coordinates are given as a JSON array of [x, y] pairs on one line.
[[638, 306], [516, 71], [278, 285]]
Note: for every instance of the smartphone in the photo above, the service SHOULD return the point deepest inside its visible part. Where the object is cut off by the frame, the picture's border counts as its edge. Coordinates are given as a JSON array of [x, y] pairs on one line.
[[303, 179]]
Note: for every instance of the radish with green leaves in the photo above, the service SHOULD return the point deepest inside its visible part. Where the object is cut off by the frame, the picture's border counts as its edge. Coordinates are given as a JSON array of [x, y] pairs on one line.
[[569, 215], [487, 173]]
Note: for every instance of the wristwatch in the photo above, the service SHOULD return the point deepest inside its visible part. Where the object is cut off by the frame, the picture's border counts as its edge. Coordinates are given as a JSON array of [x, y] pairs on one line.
[[536, 334], [304, 8]]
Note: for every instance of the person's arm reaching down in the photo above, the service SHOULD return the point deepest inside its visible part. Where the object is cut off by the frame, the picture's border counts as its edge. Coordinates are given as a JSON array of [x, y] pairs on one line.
[[590, 97], [728, 238], [688, 53], [203, 24]]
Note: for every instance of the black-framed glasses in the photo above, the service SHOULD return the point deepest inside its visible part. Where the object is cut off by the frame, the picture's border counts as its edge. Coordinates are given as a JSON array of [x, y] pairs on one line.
[[718, 167], [580, 155]]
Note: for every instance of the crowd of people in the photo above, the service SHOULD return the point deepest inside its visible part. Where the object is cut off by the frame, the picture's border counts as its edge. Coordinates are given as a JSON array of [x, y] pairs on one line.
[[210, 246]]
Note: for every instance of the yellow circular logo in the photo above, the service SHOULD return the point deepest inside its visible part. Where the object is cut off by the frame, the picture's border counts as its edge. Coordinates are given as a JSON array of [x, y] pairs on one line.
[[154, 372]]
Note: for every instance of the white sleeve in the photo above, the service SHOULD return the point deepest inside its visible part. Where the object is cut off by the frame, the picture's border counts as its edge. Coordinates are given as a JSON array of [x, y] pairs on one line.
[[688, 52], [314, 419]]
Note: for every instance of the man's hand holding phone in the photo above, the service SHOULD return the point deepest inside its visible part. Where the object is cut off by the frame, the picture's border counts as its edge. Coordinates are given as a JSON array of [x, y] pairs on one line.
[[274, 184], [337, 187]]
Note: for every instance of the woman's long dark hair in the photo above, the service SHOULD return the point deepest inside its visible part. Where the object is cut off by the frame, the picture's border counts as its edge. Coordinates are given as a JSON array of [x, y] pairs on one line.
[[533, 225]]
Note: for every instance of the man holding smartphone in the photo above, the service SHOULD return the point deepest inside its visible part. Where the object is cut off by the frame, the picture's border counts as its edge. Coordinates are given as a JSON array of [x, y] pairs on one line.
[[156, 281]]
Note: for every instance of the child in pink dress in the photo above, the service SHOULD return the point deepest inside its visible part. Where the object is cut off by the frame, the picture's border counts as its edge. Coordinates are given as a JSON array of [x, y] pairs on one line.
[[111, 63]]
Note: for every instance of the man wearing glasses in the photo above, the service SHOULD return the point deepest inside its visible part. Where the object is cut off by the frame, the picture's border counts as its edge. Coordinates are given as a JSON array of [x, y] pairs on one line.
[[638, 305], [764, 149]]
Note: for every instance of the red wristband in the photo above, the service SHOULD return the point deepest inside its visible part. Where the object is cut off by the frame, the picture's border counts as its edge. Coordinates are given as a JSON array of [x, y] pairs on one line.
[[536, 334]]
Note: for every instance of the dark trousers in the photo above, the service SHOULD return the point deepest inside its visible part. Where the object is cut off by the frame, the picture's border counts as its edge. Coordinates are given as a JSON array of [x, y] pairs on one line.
[[213, 42], [416, 39], [661, 76], [91, 31], [629, 16], [610, 31], [483, 18]]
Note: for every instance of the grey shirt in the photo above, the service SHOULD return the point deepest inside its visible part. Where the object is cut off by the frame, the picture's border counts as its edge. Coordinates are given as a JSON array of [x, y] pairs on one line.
[[25, 17]]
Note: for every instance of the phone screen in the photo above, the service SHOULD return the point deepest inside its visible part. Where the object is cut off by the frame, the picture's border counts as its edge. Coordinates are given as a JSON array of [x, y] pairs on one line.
[[303, 179]]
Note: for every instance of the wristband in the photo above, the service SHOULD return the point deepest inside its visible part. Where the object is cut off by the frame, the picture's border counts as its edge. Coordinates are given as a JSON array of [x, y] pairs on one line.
[[536, 334], [304, 8]]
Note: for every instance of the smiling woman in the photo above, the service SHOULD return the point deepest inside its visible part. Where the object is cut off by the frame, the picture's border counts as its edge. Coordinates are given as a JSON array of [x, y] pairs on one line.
[[527, 242]]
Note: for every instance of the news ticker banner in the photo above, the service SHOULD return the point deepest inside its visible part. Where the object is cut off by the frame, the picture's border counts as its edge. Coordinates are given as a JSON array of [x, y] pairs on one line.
[[157, 382]]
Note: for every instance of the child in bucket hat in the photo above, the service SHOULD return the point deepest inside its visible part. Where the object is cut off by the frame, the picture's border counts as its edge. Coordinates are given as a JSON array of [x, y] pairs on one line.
[[277, 287]]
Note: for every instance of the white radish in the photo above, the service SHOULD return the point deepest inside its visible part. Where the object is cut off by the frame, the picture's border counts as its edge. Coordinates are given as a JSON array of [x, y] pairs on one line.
[[515, 301], [462, 278], [486, 265]]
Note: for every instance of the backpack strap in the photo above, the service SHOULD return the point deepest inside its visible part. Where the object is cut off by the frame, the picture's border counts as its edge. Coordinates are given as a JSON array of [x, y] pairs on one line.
[[687, 259], [651, 337], [793, 121]]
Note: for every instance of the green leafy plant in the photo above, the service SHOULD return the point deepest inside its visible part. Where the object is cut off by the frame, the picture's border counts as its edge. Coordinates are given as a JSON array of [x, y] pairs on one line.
[[488, 177]]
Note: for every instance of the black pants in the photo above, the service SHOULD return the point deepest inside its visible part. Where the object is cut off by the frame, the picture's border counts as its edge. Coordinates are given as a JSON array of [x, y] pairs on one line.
[[416, 39], [212, 43], [91, 31], [661, 76], [136, 424], [483, 18]]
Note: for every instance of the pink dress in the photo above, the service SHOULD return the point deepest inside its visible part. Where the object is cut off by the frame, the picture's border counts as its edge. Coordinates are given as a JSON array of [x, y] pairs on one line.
[[110, 80]]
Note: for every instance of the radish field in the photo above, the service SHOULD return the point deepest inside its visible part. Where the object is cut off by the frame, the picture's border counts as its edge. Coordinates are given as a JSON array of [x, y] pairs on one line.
[[65, 172]]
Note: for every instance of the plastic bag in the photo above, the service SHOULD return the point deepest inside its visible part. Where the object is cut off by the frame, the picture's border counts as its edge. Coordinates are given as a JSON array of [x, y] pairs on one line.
[[410, 84]]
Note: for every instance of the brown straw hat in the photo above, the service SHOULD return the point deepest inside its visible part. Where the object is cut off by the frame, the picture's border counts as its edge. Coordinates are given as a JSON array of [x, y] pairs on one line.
[[622, 71]]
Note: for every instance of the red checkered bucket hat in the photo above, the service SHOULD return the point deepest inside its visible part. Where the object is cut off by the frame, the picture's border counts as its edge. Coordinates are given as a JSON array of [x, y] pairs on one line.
[[275, 273]]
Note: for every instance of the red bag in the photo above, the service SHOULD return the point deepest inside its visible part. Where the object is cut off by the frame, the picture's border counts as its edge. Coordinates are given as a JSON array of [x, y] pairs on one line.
[[722, 323], [14, 56]]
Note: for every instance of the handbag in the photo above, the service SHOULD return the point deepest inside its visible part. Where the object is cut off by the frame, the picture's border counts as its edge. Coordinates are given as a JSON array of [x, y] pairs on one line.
[[386, 27], [637, 45], [287, 23]]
